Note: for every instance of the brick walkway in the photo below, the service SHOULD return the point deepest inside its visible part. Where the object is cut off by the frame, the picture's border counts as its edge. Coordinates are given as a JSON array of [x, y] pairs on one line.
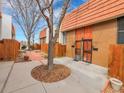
[[35, 55]]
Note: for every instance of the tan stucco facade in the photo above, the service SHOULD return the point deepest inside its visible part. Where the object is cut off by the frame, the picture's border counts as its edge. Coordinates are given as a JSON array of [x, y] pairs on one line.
[[104, 34]]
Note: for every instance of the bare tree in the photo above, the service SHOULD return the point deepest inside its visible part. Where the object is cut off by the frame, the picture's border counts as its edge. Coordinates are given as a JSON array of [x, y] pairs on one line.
[[26, 13], [33, 39], [47, 11]]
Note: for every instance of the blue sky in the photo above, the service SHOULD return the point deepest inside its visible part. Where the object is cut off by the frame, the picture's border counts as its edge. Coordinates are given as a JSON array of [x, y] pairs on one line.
[[19, 34]]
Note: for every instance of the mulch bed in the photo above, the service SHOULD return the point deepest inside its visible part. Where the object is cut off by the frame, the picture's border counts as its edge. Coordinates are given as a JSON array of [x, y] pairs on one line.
[[59, 72]]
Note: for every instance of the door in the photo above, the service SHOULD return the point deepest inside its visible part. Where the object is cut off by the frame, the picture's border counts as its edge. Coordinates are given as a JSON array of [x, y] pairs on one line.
[[87, 50], [70, 44], [78, 43]]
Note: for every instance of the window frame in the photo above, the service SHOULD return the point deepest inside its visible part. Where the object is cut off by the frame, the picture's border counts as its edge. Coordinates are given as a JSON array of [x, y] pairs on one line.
[[120, 22]]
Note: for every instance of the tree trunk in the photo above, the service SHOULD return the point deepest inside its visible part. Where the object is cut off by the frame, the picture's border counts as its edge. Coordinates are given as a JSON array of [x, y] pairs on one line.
[[50, 55], [50, 50], [51, 43], [29, 43]]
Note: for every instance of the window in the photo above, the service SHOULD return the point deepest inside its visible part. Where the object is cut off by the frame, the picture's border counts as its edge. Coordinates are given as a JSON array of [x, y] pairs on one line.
[[64, 37], [120, 30]]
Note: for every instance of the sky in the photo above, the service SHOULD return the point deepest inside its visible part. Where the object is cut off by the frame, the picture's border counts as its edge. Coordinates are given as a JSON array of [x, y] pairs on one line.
[[57, 7]]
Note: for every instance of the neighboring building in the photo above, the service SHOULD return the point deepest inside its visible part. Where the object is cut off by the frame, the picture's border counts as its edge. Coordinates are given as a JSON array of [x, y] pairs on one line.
[[44, 36], [7, 30], [91, 28], [59, 49]]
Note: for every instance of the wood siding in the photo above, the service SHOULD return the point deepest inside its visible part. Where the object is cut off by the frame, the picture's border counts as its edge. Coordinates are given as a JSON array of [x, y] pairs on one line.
[[79, 34], [104, 34], [70, 51], [92, 12], [83, 33]]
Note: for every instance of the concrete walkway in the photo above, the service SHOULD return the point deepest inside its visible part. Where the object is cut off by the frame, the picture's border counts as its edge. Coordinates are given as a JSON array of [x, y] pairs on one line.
[[82, 80], [4, 72]]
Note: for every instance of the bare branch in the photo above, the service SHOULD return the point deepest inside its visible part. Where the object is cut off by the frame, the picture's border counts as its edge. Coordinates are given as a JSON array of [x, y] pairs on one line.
[[27, 14], [63, 12]]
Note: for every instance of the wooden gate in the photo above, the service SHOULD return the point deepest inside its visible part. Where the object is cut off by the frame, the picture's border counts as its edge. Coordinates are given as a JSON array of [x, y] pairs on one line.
[[87, 50]]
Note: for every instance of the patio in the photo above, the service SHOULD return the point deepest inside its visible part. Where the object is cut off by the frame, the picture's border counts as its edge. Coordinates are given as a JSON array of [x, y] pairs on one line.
[[85, 78]]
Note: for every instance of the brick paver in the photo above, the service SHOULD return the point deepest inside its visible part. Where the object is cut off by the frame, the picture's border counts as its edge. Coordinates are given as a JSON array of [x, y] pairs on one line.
[[35, 55]]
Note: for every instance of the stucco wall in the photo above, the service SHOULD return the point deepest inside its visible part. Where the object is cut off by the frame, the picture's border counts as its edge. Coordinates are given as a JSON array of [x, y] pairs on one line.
[[104, 34], [61, 40], [6, 27]]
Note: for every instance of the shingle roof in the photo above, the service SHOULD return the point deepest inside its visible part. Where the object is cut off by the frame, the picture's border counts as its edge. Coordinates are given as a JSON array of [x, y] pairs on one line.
[[92, 12]]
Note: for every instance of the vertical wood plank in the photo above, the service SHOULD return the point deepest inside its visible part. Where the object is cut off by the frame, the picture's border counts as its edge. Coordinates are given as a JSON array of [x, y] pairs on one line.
[[116, 62]]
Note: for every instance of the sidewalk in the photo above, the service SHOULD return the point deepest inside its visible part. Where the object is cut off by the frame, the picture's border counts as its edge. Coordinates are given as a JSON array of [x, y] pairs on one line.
[[20, 80], [5, 68]]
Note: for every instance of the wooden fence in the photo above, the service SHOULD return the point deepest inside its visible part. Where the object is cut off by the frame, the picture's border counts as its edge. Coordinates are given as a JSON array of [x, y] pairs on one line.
[[44, 48], [9, 49], [116, 62], [59, 50], [36, 47]]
